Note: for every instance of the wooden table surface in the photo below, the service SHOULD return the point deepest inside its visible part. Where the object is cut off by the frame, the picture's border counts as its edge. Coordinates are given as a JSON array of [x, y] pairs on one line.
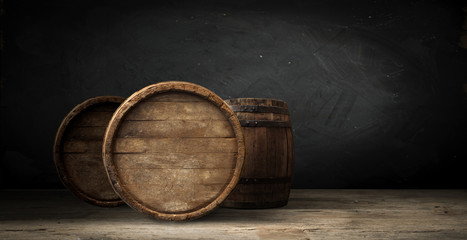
[[310, 214]]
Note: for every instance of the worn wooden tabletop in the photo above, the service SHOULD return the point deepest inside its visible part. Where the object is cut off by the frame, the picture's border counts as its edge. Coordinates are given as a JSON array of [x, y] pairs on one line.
[[310, 214]]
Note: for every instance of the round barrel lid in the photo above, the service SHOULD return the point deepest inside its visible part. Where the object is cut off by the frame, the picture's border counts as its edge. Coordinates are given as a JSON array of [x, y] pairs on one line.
[[174, 150], [78, 150]]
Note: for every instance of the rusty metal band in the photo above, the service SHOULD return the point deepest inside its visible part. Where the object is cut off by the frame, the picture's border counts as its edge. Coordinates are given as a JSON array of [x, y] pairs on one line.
[[264, 123], [259, 109], [264, 180]]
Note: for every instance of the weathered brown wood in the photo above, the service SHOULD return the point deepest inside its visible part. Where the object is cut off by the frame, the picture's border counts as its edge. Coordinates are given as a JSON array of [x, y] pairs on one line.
[[214, 128], [265, 180], [86, 133], [78, 151], [310, 214], [173, 97], [163, 111], [174, 160], [82, 146], [97, 119], [177, 145], [174, 150]]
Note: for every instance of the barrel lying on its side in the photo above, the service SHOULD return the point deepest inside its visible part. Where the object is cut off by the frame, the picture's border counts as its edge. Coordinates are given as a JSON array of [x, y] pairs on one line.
[[174, 150], [266, 175], [78, 151]]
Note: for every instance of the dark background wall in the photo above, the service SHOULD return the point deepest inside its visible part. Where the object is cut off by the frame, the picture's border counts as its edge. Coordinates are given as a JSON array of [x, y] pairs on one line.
[[375, 88]]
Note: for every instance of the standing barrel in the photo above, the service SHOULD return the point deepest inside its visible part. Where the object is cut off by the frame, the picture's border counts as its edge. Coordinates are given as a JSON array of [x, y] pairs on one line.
[[174, 150], [269, 154], [78, 151]]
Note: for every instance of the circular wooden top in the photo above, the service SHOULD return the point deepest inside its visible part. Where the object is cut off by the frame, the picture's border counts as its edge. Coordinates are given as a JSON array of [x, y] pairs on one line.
[[174, 150], [78, 150]]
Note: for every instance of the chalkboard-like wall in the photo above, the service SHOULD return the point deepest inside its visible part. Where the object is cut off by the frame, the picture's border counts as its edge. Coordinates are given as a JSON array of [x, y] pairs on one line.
[[375, 88]]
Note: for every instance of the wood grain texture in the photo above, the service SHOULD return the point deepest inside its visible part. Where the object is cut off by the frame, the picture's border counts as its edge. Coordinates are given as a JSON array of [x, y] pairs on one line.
[[78, 151], [213, 128], [175, 111], [266, 176], [175, 144], [175, 160], [310, 214], [174, 150]]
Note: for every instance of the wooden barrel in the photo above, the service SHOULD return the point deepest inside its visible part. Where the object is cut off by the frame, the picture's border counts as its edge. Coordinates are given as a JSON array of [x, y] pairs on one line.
[[78, 150], [174, 150], [266, 175]]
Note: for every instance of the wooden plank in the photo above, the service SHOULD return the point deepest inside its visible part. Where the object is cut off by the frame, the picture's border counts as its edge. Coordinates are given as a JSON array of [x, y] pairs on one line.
[[250, 148], [175, 97], [84, 133], [88, 159], [175, 160], [175, 190], [290, 151], [310, 214], [165, 129], [261, 160], [88, 175], [92, 119], [82, 146], [272, 152], [163, 177], [177, 145], [175, 111], [281, 152]]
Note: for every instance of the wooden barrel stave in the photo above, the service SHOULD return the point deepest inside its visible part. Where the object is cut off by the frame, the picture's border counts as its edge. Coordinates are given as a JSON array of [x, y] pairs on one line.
[[266, 176]]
